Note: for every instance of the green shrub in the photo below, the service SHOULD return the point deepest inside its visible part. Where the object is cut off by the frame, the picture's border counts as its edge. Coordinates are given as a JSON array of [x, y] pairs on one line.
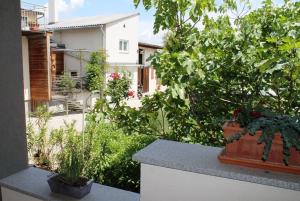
[[211, 71], [38, 139], [95, 71], [67, 84], [109, 155], [70, 158]]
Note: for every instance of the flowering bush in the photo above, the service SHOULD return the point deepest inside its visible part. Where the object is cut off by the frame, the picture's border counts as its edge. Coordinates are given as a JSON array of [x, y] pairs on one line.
[[115, 76], [118, 88], [131, 94]]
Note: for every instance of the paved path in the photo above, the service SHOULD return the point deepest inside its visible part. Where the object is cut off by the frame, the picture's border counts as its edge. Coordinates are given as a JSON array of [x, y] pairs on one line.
[[57, 122]]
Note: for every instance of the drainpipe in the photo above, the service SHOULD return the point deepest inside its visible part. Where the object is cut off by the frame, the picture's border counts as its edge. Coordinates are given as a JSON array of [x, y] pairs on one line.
[[103, 36], [104, 49]]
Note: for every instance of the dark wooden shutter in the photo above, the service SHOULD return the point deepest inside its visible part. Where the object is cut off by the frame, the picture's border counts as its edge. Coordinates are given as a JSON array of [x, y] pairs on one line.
[[146, 80], [39, 68]]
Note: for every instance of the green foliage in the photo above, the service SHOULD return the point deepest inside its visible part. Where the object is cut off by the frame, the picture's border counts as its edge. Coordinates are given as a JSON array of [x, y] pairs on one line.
[[59, 148], [270, 124], [208, 73], [175, 14], [275, 35], [109, 160], [95, 71], [102, 152], [149, 120], [71, 156], [67, 84], [212, 71], [39, 148]]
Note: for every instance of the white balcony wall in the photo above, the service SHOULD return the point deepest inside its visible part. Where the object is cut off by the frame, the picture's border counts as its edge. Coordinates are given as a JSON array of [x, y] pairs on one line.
[[10, 195], [158, 183]]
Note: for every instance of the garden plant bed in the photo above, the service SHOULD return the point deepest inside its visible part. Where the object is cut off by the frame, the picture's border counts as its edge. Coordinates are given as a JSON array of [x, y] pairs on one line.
[[247, 152]]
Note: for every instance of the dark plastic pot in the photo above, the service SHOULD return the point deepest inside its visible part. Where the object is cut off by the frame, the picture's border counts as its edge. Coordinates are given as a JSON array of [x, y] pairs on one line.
[[57, 186]]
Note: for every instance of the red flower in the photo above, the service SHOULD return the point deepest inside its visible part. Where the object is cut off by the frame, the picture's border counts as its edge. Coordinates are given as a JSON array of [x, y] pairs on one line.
[[255, 115], [131, 94], [237, 112], [115, 76]]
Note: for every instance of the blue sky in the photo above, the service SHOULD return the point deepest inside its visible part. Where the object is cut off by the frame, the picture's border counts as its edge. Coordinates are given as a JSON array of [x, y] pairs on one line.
[[81, 8]]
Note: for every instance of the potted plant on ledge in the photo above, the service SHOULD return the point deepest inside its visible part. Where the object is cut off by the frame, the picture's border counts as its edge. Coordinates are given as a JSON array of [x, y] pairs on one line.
[[34, 27], [69, 180], [263, 139]]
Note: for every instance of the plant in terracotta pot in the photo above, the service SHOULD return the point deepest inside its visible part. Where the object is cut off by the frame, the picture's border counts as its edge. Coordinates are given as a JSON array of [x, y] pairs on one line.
[[34, 27], [69, 180], [263, 139]]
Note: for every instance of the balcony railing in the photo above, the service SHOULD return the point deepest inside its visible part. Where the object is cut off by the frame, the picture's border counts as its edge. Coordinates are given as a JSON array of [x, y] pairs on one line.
[[32, 17]]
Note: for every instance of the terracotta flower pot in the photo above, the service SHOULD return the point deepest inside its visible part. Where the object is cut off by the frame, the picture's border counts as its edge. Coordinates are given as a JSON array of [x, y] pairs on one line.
[[34, 28], [247, 152]]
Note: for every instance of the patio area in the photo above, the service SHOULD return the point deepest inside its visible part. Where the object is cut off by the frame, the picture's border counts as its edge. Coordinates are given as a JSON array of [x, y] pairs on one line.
[[226, 127]]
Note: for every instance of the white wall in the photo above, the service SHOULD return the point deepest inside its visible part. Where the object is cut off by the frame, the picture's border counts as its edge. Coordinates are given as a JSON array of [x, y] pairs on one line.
[[164, 184], [89, 39], [115, 32], [148, 52], [26, 75], [152, 81], [10, 195]]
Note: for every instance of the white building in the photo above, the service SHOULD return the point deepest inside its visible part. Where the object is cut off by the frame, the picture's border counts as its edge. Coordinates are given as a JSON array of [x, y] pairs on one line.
[[116, 34], [72, 42]]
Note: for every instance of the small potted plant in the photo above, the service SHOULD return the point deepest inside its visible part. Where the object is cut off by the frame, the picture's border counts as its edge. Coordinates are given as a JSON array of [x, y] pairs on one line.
[[263, 139], [34, 27], [69, 180]]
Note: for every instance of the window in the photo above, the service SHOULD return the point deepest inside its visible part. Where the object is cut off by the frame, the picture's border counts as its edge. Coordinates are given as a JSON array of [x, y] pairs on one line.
[[123, 45], [74, 74], [24, 22]]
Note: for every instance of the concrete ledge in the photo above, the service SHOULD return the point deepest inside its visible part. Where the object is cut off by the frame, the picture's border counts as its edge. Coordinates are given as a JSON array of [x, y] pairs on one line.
[[203, 160], [33, 182]]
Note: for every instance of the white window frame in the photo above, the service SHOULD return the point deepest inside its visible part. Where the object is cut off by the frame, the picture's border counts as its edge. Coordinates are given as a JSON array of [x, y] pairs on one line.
[[122, 45]]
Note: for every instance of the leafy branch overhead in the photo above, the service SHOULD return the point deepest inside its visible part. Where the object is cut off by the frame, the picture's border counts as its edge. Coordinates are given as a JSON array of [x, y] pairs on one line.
[[212, 63], [174, 15]]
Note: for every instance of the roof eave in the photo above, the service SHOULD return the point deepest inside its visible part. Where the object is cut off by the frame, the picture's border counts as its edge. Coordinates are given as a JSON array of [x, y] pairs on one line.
[[124, 18], [152, 46], [76, 27], [93, 25]]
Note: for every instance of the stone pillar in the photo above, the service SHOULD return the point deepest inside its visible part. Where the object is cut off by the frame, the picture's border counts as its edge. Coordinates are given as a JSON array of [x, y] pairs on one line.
[[13, 150]]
